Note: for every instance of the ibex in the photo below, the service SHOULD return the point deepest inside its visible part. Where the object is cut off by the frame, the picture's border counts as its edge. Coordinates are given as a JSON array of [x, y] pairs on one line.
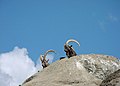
[[43, 58], [69, 49]]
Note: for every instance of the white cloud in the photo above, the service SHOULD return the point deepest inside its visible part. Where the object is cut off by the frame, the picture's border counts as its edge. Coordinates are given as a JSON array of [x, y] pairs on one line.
[[5, 79], [15, 67]]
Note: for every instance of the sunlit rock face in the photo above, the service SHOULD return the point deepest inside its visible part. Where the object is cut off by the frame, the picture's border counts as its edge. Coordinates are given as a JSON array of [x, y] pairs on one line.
[[99, 65], [82, 70]]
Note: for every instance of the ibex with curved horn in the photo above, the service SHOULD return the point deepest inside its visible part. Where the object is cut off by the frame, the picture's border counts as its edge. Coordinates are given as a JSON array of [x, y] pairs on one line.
[[43, 58], [69, 49]]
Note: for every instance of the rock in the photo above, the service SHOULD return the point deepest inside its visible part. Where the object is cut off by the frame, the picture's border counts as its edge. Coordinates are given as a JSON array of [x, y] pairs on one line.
[[100, 65], [83, 70], [112, 80]]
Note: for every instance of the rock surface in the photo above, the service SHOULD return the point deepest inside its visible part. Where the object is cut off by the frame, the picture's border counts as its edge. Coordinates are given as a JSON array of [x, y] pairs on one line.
[[112, 80], [83, 70]]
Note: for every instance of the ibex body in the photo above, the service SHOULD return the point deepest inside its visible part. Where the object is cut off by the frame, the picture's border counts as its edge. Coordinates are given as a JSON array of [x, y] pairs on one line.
[[43, 59], [69, 49]]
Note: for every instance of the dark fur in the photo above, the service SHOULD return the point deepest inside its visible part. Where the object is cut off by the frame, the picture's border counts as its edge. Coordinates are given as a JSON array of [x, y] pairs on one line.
[[69, 51], [44, 62]]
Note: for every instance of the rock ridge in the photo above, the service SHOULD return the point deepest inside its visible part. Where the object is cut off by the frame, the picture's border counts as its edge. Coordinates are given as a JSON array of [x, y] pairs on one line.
[[82, 70]]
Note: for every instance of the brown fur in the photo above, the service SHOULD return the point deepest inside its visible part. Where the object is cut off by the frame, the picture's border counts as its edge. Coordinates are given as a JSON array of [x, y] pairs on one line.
[[69, 51]]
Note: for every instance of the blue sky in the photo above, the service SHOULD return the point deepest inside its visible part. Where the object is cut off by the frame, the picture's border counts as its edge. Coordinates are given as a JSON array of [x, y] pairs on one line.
[[39, 25]]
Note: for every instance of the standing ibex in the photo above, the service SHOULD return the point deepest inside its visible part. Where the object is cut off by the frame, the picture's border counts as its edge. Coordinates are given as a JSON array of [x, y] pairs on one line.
[[43, 59], [69, 49]]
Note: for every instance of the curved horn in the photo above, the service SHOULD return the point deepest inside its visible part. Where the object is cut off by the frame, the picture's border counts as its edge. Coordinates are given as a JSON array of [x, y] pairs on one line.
[[48, 52], [41, 56], [72, 40]]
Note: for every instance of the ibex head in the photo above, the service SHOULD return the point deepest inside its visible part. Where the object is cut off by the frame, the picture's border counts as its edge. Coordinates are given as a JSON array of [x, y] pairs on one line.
[[69, 49], [43, 58]]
